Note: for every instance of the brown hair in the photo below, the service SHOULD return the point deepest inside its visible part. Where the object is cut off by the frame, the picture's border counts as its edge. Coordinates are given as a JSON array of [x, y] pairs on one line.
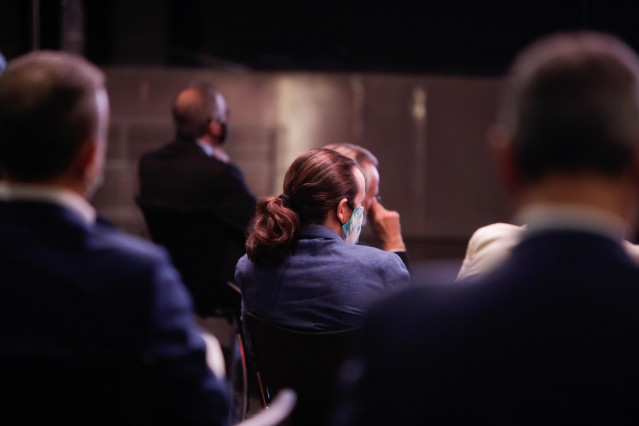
[[314, 184]]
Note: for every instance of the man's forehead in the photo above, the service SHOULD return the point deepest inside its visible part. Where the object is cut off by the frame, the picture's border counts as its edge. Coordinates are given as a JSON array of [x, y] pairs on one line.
[[370, 172]]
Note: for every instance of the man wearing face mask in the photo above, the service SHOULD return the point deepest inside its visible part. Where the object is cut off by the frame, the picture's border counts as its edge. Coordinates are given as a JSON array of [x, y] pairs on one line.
[[385, 223], [195, 201], [303, 268]]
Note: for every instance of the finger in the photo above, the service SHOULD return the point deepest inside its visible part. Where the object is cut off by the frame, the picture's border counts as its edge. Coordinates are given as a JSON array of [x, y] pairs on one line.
[[374, 204], [378, 206], [375, 207]]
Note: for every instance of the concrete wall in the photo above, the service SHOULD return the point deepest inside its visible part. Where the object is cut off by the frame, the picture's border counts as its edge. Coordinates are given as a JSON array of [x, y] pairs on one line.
[[427, 131]]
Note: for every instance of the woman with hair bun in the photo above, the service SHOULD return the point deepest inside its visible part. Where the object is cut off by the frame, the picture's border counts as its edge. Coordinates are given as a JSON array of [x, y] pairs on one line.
[[303, 268]]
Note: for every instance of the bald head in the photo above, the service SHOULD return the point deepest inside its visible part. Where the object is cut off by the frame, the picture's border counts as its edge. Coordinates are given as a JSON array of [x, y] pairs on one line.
[[52, 105], [194, 108]]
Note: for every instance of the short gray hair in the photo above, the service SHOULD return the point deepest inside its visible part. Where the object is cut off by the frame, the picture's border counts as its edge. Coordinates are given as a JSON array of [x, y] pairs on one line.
[[360, 155]]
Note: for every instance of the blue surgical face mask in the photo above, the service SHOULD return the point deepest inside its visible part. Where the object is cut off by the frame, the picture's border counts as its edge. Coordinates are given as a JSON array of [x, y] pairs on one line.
[[352, 228]]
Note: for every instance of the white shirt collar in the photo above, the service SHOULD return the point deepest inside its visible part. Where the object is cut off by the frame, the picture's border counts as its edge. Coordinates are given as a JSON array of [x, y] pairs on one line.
[[208, 149], [50, 194], [541, 217]]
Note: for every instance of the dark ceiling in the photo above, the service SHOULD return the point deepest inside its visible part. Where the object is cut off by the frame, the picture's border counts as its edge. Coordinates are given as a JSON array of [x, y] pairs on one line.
[[459, 37]]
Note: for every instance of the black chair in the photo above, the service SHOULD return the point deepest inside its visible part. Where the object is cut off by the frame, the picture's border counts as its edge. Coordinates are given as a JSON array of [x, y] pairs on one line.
[[306, 362], [80, 392], [204, 248]]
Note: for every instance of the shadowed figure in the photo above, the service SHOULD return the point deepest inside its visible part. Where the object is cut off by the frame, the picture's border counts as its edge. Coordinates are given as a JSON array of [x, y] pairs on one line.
[[546, 337], [97, 325]]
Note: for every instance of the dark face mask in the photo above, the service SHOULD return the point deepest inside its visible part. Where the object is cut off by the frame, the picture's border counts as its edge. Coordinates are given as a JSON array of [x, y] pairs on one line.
[[224, 133]]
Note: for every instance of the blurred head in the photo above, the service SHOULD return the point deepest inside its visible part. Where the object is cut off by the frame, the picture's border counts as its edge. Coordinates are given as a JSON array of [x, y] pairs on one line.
[[572, 106], [3, 62], [199, 111], [320, 183], [367, 164], [53, 119]]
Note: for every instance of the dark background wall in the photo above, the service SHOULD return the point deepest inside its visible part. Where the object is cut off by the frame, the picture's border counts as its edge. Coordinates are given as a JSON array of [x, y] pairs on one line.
[[428, 132], [454, 36], [415, 82]]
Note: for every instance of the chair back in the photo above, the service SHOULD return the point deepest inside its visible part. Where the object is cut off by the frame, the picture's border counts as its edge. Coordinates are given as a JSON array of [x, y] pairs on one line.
[[277, 412], [204, 248], [77, 392], [306, 362]]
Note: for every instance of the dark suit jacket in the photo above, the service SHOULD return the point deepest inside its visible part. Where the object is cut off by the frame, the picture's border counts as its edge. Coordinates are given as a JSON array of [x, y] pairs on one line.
[[86, 312], [549, 338], [199, 208]]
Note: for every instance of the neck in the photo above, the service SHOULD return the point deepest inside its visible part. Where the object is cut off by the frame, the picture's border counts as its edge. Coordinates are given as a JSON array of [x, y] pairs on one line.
[[334, 224], [614, 195], [61, 182], [210, 140]]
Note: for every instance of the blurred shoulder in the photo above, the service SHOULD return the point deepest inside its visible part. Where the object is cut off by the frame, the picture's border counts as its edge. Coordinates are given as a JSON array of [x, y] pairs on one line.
[[488, 247], [632, 250], [505, 234], [243, 265], [152, 154], [127, 249], [429, 302]]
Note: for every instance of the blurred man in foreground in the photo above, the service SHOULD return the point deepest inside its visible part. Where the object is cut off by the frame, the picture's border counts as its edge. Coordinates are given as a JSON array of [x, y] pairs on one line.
[[96, 326], [546, 337]]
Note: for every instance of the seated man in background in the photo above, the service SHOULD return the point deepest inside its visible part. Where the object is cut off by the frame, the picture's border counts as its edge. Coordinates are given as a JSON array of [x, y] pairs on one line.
[[546, 338], [195, 201], [386, 225], [97, 327]]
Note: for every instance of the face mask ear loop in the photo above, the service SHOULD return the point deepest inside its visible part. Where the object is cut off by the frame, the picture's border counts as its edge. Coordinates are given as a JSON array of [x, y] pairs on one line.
[[352, 228], [348, 203]]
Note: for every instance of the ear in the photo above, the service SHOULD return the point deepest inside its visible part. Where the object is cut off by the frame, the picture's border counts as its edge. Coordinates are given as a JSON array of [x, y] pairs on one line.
[[504, 156], [87, 160], [88, 167], [215, 128], [343, 211]]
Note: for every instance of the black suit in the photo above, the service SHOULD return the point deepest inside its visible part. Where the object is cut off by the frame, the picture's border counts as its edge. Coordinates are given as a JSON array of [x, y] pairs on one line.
[[549, 338], [199, 207]]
